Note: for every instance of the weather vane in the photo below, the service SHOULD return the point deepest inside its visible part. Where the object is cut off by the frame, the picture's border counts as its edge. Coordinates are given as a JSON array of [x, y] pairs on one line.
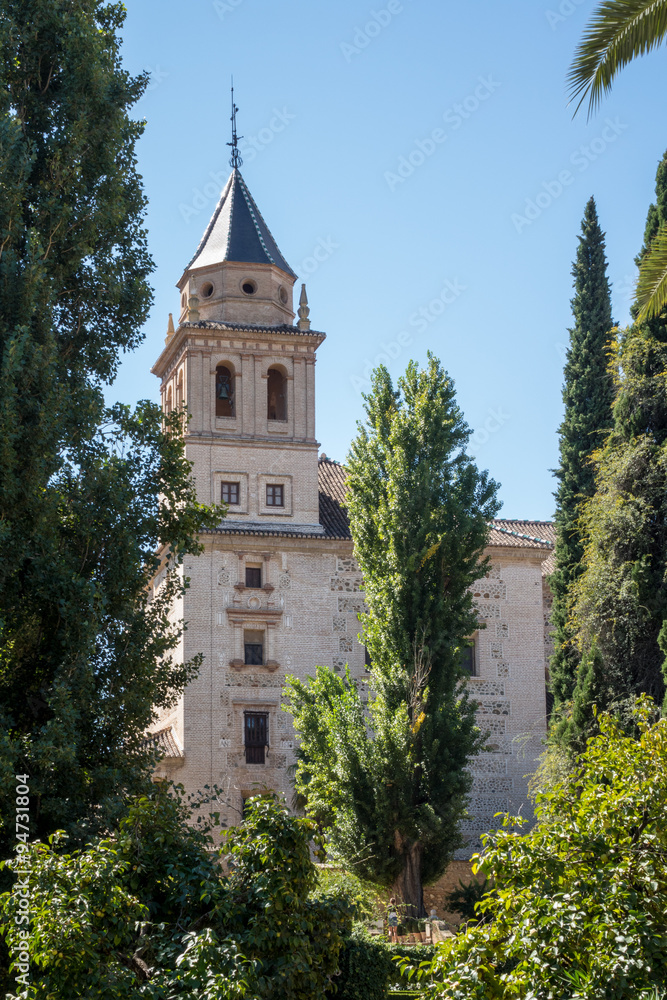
[[235, 159]]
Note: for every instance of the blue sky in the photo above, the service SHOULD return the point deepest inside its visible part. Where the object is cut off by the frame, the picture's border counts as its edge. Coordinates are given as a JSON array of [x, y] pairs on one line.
[[419, 168]]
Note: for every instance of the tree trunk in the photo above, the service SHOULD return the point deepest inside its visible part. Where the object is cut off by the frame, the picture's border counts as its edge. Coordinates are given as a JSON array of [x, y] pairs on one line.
[[408, 886]]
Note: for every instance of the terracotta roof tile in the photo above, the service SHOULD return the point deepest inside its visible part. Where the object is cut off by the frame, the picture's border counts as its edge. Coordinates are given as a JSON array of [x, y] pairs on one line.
[[505, 532], [207, 324]]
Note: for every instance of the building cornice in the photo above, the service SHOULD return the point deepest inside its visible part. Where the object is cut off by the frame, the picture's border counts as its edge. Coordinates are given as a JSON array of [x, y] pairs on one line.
[[187, 336]]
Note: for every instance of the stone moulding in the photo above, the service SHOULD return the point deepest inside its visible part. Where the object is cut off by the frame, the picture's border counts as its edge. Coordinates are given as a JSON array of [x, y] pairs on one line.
[[241, 616], [270, 666]]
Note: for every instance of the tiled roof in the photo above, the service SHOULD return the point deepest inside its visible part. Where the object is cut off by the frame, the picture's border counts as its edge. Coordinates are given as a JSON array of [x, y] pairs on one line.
[[237, 232], [165, 741], [203, 324], [228, 527], [333, 513], [333, 516], [537, 531]]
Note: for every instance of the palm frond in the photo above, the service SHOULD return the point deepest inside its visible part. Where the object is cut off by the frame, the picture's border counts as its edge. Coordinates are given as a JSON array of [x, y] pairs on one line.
[[652, 283], [619, 31]]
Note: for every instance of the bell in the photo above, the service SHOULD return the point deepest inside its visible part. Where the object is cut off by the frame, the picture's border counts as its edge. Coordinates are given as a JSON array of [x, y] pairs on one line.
[[223, 391]]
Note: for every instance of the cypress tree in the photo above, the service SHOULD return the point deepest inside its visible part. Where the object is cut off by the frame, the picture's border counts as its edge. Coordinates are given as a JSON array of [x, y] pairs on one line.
[[620, 604], [588, 396]]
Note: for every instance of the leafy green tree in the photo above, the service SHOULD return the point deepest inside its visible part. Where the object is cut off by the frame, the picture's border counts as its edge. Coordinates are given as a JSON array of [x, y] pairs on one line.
[[87, 493], [621, 597], [621, 30], [149, 912], [391, 783], [578, 905], [588, 394]]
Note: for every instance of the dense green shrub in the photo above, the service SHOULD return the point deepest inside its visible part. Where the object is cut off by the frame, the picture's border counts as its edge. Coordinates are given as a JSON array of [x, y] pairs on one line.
[[365, 968], [364, 898], [368, 968], [149, 913], [578, 907]]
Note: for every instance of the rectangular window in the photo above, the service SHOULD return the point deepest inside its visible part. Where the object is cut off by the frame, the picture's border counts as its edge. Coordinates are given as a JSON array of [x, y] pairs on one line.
[[253, 576], [230, 492], [256, 736], [467, 660], [275, 496], [253, 646]]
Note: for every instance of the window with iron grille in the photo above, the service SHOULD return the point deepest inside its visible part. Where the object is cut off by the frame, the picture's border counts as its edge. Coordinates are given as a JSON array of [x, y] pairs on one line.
[[253, 576], [256, 736], [253, 643], [275, 496], [230, 492], [467, 659]]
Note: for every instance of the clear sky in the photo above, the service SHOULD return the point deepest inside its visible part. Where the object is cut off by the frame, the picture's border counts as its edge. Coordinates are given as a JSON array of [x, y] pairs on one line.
[[418, 165]]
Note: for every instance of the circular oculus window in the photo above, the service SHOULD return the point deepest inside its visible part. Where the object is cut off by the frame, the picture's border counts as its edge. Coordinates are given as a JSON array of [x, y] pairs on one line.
[[207, 290], [248, 286], [282, 294]]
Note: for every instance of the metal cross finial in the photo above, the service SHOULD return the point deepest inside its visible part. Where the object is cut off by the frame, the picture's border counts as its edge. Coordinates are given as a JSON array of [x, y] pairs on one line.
[[235, 159]]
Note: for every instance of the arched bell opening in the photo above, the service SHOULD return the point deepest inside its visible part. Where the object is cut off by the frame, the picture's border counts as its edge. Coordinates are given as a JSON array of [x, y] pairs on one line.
[[225, 405], [276, 394]]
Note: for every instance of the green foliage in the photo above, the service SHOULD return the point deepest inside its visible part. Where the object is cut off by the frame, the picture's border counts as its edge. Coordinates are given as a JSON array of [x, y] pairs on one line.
[[87, 492], [466, 896], [149, 912], [365, 968], [588, 394], [620, 599], [579, 903], [368, 968], [419, 511], [556, 765], [620, 30], [389, 782], [364, 898]]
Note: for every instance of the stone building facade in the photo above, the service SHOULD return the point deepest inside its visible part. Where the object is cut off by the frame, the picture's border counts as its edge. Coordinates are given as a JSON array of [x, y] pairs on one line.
[[277, 589]]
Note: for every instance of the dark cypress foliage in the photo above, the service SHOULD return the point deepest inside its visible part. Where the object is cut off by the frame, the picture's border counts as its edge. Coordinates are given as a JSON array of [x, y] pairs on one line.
[[620, 608], [587, 395]]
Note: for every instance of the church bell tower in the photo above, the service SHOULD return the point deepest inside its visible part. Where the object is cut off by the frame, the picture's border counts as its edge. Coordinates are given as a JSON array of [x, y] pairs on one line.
[[246, 371], [263, 599]]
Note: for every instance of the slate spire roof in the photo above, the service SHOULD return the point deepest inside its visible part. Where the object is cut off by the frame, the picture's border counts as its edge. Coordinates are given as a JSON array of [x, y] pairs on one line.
[[237, 232]]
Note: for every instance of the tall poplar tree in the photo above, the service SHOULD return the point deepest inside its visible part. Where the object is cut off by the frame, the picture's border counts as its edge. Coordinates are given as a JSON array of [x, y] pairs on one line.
[[86, 493], [621, 598], [391, 783], [588, 394]]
